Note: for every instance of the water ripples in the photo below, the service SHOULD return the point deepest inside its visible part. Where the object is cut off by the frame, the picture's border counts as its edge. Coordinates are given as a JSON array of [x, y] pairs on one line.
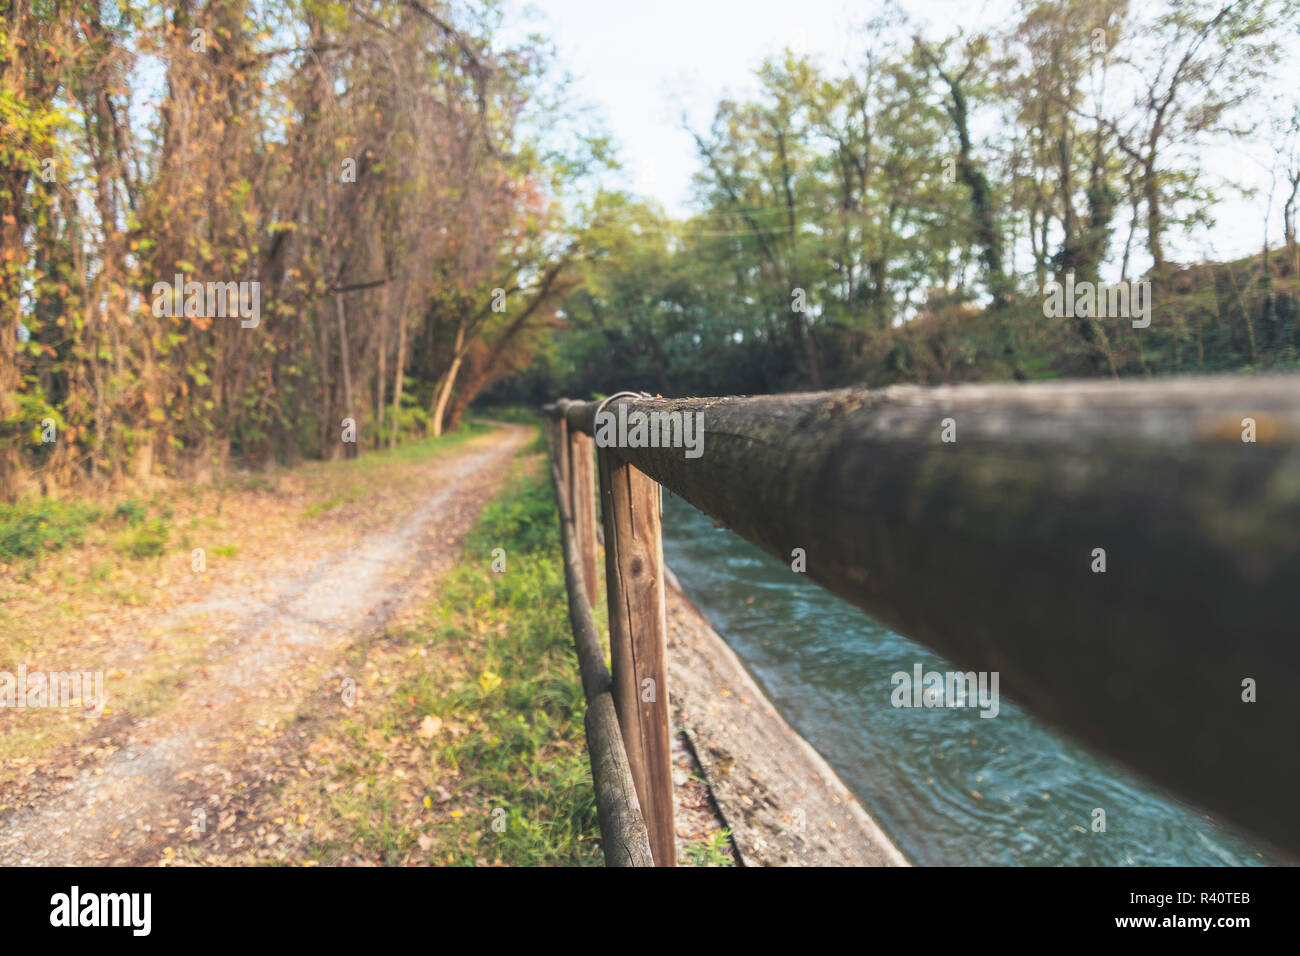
[[951, 788]]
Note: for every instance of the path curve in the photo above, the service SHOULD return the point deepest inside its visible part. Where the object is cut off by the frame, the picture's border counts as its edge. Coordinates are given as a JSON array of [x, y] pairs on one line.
[[122, 808]]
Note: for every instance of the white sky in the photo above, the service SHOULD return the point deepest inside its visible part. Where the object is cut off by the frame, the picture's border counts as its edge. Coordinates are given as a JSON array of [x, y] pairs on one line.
[[643, 63]]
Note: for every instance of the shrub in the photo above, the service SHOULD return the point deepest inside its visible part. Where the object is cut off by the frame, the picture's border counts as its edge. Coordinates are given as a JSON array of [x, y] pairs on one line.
[[132, 512], [28, 529], [147, 541]]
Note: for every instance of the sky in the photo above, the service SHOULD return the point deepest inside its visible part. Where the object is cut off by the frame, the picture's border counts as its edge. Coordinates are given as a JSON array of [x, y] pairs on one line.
[[644, 64]]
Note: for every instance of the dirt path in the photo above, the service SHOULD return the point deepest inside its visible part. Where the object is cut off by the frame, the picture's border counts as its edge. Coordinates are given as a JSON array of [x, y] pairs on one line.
[[136, 785]]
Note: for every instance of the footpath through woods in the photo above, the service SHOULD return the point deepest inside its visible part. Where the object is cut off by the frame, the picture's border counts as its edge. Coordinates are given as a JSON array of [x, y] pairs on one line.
[[212, 700], [371, 666]]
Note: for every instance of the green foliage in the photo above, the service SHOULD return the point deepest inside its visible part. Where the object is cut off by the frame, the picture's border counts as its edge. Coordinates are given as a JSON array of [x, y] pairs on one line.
[[29, 529], [149, 540], [131, 512], [916, 243], [514, 414], [34, 409], [507, 702], [529, 745], [412, 419], [523, 522], [715, 852]]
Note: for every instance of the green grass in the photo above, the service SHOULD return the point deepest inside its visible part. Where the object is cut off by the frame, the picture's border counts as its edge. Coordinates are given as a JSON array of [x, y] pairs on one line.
[[523, 520], [149, 540], [32, 528], [715, 852], [527, 754], [315, 510], [415, 450], [538, 445], [507, 779], [132, 511], [514, 414]]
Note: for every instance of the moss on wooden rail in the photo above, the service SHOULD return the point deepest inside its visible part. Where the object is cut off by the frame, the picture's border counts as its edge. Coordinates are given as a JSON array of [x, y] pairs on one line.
[[971, 519]]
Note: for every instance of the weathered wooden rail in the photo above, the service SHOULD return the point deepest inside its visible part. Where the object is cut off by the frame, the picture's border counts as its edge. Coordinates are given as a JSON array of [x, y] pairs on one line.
[[1125, 556], [627, 711]]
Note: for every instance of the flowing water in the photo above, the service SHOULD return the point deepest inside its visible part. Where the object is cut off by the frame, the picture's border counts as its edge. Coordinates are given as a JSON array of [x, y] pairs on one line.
[[950, 787]]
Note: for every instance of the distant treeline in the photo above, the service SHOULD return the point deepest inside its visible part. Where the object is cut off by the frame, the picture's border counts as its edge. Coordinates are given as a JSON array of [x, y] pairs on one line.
[[903, 219], [233, 230], [358, 174]]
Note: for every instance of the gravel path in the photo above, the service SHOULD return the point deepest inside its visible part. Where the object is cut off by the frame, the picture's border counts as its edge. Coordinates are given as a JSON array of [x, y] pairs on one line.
[[160, 774]]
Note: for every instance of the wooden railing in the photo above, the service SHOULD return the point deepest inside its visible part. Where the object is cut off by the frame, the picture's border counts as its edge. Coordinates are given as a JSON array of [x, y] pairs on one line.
[[1125, 555], [627, 711]]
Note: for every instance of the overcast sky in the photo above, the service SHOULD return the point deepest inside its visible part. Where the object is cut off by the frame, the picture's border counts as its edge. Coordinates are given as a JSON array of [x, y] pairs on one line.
[[644, 63]]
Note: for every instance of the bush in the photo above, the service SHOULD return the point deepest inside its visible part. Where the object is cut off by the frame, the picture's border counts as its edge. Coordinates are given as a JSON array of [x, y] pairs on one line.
[[514, 414], [132, 512], [147, 541], [525, 518], [31, 528]]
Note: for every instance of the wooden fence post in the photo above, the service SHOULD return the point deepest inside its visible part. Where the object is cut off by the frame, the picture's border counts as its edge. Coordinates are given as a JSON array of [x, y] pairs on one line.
[[551, 429], [582, 505], [562, 455], [634, 585]]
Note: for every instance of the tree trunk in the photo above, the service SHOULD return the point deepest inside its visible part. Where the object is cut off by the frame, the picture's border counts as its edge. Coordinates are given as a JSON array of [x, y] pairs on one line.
[[1155, 223], [399, 368], [350, 449], [13, 259], [382, 374], [448, 380]]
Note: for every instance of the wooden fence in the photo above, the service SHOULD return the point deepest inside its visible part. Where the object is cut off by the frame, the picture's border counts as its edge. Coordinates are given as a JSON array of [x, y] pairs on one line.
[[1125, 555]]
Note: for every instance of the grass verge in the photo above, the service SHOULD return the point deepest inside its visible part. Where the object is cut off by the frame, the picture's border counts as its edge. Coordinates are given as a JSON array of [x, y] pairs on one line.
[[465, 745], [111, 585]]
